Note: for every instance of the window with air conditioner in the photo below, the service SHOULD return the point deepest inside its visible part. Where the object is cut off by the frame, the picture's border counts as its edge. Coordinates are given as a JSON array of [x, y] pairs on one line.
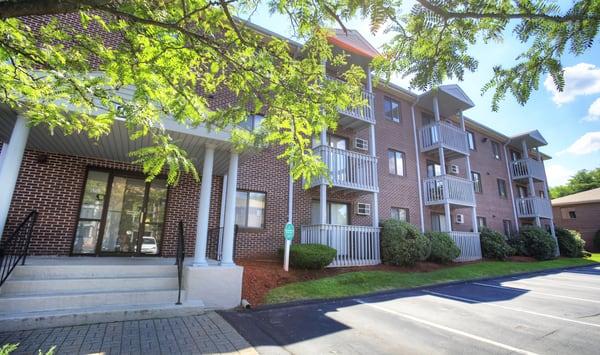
[[460, 218], [361, 144], [363, 209], [454, 169]]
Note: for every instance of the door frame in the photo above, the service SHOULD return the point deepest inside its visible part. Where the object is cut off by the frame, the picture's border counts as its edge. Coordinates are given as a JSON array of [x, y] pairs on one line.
[[111, 174]]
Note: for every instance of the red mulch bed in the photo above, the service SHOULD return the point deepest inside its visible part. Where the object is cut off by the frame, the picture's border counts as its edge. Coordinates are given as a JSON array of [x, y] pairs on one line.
[[260, 276]]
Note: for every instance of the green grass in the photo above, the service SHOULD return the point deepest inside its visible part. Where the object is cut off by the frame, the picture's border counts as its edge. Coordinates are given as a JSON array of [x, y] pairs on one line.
[[362, 282]]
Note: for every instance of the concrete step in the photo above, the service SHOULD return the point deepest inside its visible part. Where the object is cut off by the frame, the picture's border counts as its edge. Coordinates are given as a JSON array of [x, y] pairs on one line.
[[98, 314], [46, 272], [17, 303], [99, 284]]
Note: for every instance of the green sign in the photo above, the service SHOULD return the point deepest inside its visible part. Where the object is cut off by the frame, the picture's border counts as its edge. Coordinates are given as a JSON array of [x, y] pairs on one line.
[[288, 231]]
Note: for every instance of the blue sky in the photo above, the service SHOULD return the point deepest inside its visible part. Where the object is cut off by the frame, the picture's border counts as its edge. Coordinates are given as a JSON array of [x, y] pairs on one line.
[[570, 121]]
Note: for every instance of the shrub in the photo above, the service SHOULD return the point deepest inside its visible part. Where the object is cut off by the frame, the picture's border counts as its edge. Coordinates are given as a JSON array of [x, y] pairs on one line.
[[518, 245], [538, 242], [443, 248], [311, 256], [570, 243], [597, 241], [494, 245], [402, 243]]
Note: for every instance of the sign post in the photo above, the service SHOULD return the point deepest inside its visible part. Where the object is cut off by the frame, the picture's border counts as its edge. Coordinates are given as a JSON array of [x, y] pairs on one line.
[[288, 234]]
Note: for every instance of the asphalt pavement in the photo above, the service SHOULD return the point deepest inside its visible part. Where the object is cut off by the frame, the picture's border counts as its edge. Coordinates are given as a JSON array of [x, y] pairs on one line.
[[555, 312]]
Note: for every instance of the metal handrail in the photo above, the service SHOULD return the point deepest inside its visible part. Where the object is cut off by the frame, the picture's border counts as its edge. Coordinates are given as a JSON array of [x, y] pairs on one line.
[[14, 249], [180, 255]]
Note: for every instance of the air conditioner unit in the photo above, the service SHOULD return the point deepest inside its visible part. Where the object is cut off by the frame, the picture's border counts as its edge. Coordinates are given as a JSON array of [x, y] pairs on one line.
[[454, 169], [361, 144], [460, 218], [363, 209]]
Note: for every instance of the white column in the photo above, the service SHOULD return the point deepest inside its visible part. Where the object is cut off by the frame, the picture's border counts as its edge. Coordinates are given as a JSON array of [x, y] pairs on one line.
[[373, 153], [552, 231], [418, 160], [229, 226], [323, 187], [530, 180], [204, 207], [3, 153], [11, 164], [436, 112], [510, 186], [470, 178]]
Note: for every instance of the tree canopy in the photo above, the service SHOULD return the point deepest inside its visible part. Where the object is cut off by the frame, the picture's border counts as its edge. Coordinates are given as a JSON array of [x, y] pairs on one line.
[[177, 54], [583, 180]]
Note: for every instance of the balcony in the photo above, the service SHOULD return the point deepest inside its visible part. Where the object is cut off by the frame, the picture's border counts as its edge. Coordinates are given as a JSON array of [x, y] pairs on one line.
[[531, 207], [355, 245], [451, 138], [525, 168], [448, 189], [348, 170], [358, 117], [469, 245]]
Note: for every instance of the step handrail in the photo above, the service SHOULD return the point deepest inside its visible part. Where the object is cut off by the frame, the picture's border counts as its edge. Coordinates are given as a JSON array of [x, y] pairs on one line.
[[15, 248], [179, 257]]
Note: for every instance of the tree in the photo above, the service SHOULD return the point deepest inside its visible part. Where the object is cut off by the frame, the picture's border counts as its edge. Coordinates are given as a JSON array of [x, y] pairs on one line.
[[177, 53], [583, 180]]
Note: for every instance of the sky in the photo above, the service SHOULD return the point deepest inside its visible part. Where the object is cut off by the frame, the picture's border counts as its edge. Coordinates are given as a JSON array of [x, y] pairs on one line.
[[569, 120]]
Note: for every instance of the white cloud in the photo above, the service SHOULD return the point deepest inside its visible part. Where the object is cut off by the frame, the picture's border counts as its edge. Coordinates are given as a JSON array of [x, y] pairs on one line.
[[557, 174], [593, 111], [586, 144], [580, 79]]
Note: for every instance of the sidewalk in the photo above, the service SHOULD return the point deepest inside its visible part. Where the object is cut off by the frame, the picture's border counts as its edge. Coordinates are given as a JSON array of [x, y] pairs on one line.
[[206, 333]]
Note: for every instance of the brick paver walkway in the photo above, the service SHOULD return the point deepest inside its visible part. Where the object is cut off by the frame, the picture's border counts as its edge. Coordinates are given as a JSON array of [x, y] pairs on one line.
[[206, 333]]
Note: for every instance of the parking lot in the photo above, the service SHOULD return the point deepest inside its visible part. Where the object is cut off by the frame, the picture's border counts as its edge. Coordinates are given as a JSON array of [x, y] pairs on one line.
[[554, 312]]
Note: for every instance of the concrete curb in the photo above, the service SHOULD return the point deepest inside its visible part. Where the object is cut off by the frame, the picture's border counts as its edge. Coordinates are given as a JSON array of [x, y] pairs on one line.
[[389, 292]]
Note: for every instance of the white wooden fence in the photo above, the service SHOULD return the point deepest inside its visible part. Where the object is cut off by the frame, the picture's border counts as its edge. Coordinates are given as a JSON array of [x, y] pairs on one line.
[[449, 136], [355, 245], [529, 207], [448, 188], [469, 245], [523, 168], [364, 113], [348, 169]]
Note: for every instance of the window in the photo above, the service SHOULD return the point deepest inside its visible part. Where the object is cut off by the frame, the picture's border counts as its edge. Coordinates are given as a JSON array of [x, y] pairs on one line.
[[438, 222], [337, 213], [568, 213], [433, 169], [332, 140], [515, 155], [476, 177], [252, 122], [471, 140], [481, 222], [427, 119], [363, 209], [502, 188], [522, 191], [508, 228], [496, 150], [572, 215], [391, 109], [250, 209], [542, 194], [396, 162], [400, 214]]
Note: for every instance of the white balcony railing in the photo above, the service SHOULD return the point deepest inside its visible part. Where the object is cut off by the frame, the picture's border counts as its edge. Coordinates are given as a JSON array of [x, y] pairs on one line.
[[441, 133], [469, 245], [524, 168], [530, 207], [355, 245], [348, 169], [363, 113], [447, 188]]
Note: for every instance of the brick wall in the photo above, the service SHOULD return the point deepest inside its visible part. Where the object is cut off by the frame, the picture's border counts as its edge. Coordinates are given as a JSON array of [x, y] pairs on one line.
[[587, 222]]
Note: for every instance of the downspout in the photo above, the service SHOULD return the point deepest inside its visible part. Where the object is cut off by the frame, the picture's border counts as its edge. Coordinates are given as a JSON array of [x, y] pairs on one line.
[[510, 185], [412, 109]]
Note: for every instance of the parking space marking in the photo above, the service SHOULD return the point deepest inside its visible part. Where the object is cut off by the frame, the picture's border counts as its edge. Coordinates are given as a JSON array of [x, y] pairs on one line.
[[563, 282], [447, 329], [464, 299], [537, 292]]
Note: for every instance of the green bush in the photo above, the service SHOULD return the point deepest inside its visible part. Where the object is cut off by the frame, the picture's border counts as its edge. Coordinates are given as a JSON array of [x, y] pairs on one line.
[[402, 243], [443, 248], [597, 241], [518, 245], [494, 245], [538, 242], [570, 243], [311, 256]]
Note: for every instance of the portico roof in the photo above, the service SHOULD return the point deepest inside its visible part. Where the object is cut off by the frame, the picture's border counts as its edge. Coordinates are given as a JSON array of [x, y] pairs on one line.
[[451, 99], [533, 138]]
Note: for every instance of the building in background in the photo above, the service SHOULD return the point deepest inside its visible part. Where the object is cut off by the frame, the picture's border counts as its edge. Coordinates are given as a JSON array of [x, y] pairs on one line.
[[581, 212]]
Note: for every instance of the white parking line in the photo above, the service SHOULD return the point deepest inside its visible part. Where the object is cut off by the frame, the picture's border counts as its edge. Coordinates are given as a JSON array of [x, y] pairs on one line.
[[563, 282], [450, 330], [464, 299], [537, 292]]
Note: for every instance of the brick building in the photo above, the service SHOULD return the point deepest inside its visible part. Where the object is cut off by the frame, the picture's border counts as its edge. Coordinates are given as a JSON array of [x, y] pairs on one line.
[[406, 156], [579, 212]]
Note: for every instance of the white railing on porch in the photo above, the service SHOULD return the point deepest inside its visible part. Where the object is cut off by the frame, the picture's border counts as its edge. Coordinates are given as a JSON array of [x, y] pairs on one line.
[[523, 168], [449, 136], [355, 245], [448, 188], [348, 169], [530, 207], [469, 245], [363, 113]]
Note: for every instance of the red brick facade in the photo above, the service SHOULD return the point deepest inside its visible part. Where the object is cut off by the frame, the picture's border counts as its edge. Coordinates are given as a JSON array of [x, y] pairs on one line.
[[586, 221]]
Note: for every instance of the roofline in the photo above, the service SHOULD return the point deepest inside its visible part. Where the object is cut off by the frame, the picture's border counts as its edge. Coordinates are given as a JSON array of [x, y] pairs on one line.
[[561, 204]]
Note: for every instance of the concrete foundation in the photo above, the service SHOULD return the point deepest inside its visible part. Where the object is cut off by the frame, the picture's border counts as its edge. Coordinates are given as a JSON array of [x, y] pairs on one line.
[[217, 287]]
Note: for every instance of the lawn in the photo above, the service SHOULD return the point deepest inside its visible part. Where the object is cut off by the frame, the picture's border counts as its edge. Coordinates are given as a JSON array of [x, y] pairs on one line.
[[362, 282]]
